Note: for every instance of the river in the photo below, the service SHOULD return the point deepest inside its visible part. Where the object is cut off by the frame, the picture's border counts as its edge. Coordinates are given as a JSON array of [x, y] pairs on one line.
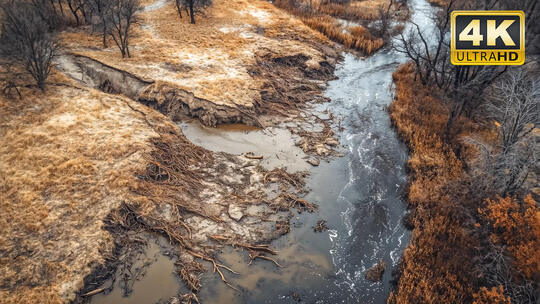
[[359, 195]]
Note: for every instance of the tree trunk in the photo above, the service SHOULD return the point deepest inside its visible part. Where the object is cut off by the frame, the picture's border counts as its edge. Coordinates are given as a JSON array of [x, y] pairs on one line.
[[74, 12], [179, 8], [104, 38], [191, 14]]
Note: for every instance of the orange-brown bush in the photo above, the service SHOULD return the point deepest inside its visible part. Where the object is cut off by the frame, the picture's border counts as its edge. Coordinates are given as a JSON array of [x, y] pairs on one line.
[[491, 296], [516, 225]]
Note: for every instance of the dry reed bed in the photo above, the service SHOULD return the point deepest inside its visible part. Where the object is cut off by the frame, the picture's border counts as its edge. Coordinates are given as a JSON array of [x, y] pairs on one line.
[[349, 12], [437, 264], [322, 19], [357, 38]]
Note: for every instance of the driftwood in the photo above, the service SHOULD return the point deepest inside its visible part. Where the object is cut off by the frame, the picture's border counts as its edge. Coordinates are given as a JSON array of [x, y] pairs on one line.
[[253, 156], [93, 292], [255, 251], [296, 201]]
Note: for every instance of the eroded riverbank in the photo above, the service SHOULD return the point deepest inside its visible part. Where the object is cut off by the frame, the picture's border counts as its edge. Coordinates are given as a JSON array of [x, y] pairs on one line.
[[359, 195], [107, 165]]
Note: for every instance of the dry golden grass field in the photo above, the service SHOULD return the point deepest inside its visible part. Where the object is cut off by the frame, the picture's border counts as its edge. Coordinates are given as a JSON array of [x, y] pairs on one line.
[[67, 160]]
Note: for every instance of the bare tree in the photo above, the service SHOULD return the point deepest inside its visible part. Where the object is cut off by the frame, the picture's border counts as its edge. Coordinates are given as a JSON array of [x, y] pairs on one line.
[[383, 24], [180, 6], [101, 10], [78, 10], [194, 6], [514, 106], [122, 16], [497, 270], [430, 52], [26, 40]]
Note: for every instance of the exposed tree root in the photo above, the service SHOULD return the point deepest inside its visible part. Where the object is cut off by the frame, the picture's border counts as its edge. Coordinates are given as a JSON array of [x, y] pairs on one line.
[[255, 254], [217, 267], [173, 188]]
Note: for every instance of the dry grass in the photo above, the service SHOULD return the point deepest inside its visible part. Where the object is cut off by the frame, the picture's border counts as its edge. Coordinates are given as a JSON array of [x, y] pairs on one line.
[[427, 277], [358, 38], [212, 58], [440, 3], [355, 11], [449, 238], [66, 162], [322, 18]]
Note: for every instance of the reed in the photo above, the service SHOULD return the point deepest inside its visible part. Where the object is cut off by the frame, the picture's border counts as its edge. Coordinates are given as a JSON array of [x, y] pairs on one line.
[[357, 38]]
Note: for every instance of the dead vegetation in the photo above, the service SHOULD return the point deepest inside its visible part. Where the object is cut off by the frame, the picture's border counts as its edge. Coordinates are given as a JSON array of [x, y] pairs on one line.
[[376, 272], [321, 226], [358, 38], [451, 217], [327, 18]]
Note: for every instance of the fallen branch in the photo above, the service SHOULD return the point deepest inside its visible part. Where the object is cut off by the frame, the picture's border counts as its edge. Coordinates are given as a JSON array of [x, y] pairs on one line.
[[263, 248], [298, 201]]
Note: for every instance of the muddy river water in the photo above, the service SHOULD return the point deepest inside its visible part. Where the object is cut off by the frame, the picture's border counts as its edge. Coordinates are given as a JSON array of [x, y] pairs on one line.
[[359, 195]]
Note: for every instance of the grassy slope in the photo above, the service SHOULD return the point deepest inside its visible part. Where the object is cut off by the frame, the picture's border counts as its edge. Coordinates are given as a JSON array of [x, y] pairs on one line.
[[67, 159]]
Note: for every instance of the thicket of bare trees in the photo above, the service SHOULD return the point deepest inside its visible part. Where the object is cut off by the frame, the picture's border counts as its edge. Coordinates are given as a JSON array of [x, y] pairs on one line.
[[28, 31], [513, 104], [100, 17], [26, 40], [191, 7], [430, 51]]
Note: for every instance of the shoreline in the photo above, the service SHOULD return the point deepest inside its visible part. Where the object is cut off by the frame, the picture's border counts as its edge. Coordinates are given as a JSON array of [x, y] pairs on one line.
[[155, 194]]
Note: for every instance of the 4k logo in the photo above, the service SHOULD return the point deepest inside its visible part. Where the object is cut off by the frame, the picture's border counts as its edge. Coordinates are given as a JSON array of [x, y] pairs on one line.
[[488, 38]]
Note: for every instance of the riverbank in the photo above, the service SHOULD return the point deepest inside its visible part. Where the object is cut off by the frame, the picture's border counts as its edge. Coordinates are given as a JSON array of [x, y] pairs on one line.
[[99, 160], [241, 55], [87, 167], [451, 220], [88, 172]]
